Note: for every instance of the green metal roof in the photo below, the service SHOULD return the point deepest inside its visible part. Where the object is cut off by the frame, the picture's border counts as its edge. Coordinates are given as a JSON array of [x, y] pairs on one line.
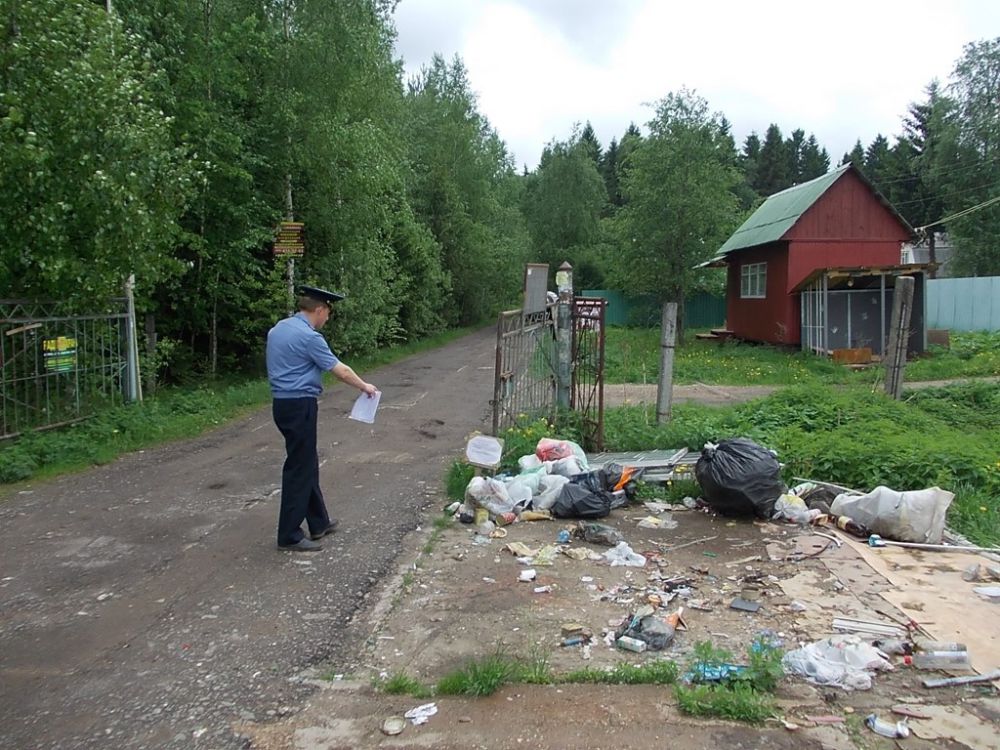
[[778, 214]]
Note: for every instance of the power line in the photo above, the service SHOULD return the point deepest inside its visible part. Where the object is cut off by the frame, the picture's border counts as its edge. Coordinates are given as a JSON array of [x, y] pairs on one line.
[[941, 198], [956, 170], [960, 214]]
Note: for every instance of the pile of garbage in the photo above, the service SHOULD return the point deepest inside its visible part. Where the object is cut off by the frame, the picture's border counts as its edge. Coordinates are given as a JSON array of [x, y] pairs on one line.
[[554, 481], [741, 478]]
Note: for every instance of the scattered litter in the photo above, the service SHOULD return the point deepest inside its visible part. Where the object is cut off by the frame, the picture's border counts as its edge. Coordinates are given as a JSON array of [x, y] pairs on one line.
[[498, 533], [971, 573], [535, 515], [479, 539], [797, 606], [421, 714], [577, 553], [655, 522], [709, 554], [547, 555], [851, 625], [911, 713], [789, 725], [734, 563], [598, 533], [563, 536], [988, 592], [744, 605], [572, 628], [631, 644], [394, 725], [486, 579], [622, 554], [527, 575], [968, 680], [713, 672], [543, 589], [844, 661], [899, 730], [520, 549]]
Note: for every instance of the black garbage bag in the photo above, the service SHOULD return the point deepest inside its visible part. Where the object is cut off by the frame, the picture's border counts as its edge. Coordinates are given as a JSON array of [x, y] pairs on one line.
[[579, 501], [612, 478], [739, 478]]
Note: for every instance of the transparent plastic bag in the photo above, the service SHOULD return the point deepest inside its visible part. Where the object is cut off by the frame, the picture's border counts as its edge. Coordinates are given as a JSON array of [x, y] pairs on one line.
[[913, 516], [489, 493], [622, 554]]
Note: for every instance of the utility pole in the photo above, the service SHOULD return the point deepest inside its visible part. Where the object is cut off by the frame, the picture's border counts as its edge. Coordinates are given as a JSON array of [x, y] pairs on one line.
[[564, 335]]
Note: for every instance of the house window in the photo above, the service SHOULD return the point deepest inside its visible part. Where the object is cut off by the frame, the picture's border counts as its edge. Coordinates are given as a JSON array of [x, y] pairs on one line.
[[753, 281]]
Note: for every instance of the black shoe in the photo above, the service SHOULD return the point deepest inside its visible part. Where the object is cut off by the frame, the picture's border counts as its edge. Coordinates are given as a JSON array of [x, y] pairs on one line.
[[328, 530], [303, 545]]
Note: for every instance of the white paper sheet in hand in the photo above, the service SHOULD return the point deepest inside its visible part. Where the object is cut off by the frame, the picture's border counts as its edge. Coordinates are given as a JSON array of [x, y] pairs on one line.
[[365, 407]]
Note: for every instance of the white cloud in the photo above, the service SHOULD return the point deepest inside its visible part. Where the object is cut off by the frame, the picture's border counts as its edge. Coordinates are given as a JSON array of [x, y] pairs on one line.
[[843, 71]]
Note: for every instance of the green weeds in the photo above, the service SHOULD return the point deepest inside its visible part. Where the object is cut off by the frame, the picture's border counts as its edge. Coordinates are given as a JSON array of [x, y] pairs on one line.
[[632, 355]]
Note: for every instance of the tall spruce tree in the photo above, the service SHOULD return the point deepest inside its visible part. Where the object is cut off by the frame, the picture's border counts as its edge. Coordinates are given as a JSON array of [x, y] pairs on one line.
[[772, 166]]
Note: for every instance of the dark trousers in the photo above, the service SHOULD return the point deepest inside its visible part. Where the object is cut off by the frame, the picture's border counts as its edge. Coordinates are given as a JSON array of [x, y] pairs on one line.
[[301, 497]]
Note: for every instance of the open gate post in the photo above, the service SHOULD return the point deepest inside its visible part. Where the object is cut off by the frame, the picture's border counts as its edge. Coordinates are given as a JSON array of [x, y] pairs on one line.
[[550, 354]]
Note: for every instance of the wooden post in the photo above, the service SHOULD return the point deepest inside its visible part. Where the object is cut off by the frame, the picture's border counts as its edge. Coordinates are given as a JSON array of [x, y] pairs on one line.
[[668, 337], [895, 356]]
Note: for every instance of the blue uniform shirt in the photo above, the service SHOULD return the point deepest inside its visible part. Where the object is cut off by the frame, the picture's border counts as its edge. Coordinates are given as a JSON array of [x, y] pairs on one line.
[[297, 357]]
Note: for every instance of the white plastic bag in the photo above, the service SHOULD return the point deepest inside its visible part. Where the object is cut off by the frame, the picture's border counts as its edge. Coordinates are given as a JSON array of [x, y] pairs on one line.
[[622, 554], [568, 467], [843, 661], [489, 493], [915, 516], [792, 508], [549, 487], [531, 463]]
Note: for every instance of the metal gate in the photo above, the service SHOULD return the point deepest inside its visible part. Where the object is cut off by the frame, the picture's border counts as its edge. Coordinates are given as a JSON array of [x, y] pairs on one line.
[[526, 380], [57, 367], [524, 384], [587, 395]]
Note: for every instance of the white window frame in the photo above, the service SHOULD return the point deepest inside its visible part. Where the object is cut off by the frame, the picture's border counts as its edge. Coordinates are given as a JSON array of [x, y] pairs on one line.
[[753, 281]]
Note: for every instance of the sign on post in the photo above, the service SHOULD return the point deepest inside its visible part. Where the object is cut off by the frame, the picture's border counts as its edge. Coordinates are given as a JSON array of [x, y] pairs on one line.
[[289, 241]]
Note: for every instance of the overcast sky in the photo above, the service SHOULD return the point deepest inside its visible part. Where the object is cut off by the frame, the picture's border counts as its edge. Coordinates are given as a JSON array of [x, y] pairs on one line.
[[843, 70]]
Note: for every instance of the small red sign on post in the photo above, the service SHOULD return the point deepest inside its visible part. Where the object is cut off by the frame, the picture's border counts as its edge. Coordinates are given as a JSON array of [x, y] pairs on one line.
[[289, 239]]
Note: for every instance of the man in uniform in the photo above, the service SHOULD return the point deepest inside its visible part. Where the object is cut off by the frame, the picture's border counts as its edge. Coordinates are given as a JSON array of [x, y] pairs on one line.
[[297, 357]]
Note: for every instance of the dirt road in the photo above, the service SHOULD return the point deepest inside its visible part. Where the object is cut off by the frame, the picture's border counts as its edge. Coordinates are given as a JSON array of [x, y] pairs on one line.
[[143, 604]]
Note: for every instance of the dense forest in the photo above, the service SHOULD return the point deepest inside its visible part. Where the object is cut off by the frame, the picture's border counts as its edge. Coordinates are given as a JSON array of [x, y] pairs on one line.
[[168, 138]]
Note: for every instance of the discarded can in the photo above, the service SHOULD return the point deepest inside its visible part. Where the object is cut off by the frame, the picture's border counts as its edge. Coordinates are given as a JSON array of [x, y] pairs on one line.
[[575, 640], [482, 516], [505, 519], [899, 730], [631, 644]]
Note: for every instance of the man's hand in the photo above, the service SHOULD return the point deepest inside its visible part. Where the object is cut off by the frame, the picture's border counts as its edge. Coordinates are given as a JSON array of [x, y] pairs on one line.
[[369, 389]]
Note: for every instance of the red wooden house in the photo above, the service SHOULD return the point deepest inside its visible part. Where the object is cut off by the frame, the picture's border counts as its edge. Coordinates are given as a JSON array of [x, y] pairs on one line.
[[815, 266]]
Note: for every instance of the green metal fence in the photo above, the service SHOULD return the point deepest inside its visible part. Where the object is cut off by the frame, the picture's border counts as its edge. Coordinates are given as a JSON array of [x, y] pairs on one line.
[[700, 310]]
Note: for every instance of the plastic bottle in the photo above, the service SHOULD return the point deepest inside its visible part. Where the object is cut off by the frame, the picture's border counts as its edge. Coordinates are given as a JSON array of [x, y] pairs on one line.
[[852, 527], [939, 660], [925, 644]]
